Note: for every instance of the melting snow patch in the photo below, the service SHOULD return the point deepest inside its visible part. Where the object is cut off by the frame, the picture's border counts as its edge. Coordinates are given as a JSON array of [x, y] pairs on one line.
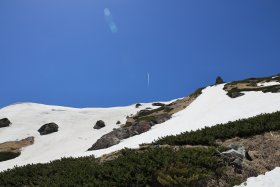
[[263, 84], [270, 179]]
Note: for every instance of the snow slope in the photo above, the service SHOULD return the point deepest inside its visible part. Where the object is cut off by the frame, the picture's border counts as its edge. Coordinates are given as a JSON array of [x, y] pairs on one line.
[[270, 179], [76, 133], [210, 108]]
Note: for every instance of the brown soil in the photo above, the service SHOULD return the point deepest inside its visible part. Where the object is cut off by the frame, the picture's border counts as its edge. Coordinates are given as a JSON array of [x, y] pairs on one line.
[[240, 86], [174, 107], [16, 146]]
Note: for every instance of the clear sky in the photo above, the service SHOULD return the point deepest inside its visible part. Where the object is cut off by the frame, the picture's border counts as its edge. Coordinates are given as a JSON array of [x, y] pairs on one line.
[[98, 53]]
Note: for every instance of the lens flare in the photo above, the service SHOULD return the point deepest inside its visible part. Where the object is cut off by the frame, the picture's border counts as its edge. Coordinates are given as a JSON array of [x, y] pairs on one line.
[[110, 21]]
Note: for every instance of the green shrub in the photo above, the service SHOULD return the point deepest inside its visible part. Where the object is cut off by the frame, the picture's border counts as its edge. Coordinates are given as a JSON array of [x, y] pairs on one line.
[[8, 155], [240, 128], [185, 167]]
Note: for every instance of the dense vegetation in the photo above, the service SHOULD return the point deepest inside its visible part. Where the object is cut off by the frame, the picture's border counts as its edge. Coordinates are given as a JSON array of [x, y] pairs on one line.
[[153, 166], [161, 166], [254, 81], [240, 128]]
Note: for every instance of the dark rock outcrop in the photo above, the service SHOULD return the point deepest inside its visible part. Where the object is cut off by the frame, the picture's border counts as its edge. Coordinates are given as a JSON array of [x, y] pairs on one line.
[[140, 126], [236, 151], [138, 105], [235, 94], [4, 122], [143, 120], [99, 124], [118, 122], [219, 80], [119, 134], [234, 157], [48, 129], [158, 104]]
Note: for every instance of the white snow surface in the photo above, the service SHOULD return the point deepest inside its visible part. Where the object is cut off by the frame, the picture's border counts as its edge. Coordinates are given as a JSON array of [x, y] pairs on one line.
[[270, 179], [271, 83], [211, 108], [76, 133]]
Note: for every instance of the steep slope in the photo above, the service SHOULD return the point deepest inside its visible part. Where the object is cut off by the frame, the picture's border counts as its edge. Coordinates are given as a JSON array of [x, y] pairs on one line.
[[212, 107], [76, 133]]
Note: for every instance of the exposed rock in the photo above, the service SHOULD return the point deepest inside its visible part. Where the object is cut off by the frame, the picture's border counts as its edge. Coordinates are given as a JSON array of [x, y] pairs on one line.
[[143, 121], [138, 105], [235, 94], [237, 164], [162, 118], [8, 155], [236, 151], [219, 80], [99, 124], [118, 122], [158, 104], [140, 127], [48, 129], [105, 141], [4, 122], [119, 134]]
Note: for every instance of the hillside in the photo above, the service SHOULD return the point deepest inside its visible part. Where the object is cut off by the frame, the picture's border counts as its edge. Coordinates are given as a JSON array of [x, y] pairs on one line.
[[213, 105], [163, 165]]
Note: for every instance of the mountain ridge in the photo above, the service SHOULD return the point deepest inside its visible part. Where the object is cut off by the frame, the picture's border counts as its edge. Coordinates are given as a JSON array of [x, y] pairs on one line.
[[76, 133]]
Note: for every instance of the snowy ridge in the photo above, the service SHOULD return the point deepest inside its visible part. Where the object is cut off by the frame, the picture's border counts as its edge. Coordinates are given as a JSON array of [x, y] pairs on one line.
[[211, 108], [76, 133]]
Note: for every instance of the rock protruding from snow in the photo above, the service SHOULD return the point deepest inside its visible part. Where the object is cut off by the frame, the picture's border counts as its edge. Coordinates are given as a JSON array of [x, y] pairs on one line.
[[219, 80], [235, 94], [114, 137], [158, 104], [99, 124], [138, 105], [48, 129], [4, 122]]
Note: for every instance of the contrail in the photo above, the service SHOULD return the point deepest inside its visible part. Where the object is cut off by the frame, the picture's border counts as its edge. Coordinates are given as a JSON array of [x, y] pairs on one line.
[[148, 80]]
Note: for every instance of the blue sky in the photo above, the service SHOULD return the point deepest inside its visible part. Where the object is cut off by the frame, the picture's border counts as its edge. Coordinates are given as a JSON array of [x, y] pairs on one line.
[[97, 53]]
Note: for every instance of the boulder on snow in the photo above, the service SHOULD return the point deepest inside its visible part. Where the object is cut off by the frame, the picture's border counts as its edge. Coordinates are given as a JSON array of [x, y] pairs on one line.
[[118, 122], [4, 122], [110, 139], [99, 124], [48, 129], [138, 105], [235, 94]]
